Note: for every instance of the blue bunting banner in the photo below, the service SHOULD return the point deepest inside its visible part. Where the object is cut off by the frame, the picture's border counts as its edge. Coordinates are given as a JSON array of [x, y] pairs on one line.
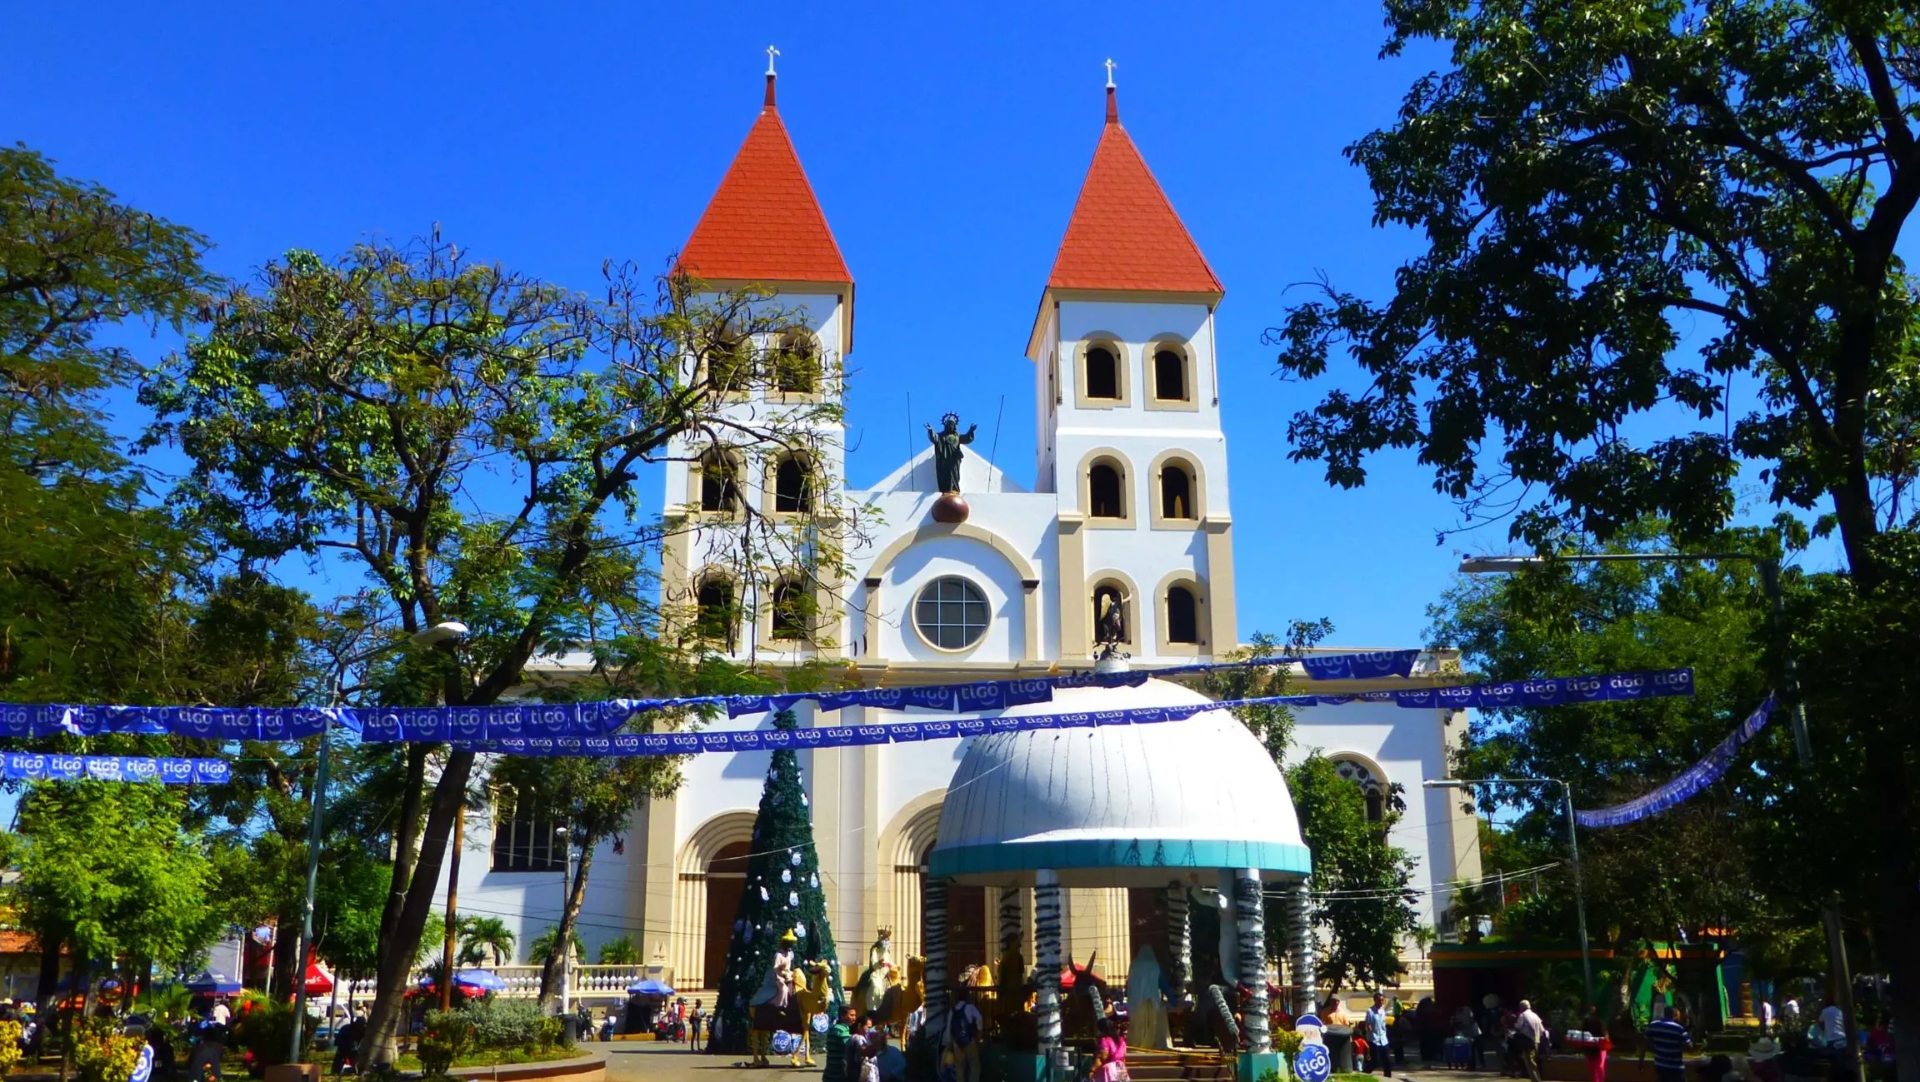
[[1611, 687], [1695, 778], [537, 724], [35, 766]]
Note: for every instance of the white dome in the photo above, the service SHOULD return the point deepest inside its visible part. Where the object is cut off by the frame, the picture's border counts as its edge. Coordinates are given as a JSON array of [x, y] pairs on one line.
[[1118, 805]]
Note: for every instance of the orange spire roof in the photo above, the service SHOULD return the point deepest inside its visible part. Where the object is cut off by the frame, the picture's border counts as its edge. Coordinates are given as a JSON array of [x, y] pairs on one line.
[[1124, 235], [764, 224]]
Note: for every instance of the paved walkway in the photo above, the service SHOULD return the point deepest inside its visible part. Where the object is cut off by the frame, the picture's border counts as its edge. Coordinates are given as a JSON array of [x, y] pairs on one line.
[[653, 1061]]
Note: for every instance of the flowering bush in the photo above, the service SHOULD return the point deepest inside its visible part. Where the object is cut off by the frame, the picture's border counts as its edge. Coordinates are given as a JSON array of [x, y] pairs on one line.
[[102, 1054], [9, 1046], [449, 1035]]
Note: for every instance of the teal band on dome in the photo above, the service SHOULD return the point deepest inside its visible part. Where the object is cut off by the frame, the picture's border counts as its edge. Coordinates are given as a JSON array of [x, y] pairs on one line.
[[944, 863]]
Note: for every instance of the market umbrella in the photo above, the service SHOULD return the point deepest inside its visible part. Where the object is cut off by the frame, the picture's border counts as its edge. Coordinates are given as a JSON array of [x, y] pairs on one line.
[[648, 987], [485, 980], [319, 981], [212, 982]]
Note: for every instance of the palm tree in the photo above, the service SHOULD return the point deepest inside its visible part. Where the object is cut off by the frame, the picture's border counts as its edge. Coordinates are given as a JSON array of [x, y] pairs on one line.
[[542, 946], [485, 941], [619, 952]]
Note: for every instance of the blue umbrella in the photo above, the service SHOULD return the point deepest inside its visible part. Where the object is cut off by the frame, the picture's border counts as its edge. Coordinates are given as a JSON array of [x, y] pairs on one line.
[[212, 981], [484, 979], [648, 988]]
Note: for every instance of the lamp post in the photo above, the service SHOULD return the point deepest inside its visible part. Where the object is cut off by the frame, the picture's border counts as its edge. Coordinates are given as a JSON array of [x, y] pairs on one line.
[[445, 632], [1573, 849], [564, 943], [1840, 974]]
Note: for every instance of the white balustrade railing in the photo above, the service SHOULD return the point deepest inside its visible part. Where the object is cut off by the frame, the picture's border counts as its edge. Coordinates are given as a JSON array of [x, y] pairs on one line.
[[523, 981]]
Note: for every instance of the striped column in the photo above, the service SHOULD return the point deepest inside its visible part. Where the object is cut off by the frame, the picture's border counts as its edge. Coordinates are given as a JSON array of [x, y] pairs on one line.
[[1046, 948], [1300, 934], [1250, 926], [935, 916], [1179, 942]]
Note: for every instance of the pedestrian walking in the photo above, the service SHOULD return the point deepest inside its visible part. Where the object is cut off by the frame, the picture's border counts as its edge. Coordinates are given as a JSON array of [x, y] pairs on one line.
[[1529, 1033]]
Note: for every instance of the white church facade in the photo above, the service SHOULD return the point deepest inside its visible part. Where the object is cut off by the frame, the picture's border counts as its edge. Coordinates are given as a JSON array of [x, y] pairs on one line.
[[1128, 506]]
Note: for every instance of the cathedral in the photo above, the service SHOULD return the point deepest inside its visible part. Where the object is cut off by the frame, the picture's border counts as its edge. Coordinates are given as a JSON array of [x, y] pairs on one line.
[[1123, 532]]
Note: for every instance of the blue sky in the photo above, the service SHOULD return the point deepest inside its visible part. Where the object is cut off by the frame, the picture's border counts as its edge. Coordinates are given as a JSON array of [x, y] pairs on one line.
[[946, 146]]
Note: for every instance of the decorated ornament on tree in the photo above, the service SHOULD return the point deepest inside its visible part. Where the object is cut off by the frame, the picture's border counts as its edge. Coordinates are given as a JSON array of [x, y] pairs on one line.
[[800, 930], [786, 875], [795, 858], [793, 899], [814, 880]]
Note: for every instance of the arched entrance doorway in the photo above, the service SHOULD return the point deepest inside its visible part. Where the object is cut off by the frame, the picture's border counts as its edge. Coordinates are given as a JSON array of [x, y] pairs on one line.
[[726, 880]]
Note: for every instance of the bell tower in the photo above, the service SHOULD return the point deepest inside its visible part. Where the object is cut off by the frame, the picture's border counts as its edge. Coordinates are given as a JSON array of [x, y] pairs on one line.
[[1128, 403], [763, 231]]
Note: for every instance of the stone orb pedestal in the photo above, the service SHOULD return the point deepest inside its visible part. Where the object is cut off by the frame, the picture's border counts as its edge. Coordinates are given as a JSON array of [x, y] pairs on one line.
[[950, 509]]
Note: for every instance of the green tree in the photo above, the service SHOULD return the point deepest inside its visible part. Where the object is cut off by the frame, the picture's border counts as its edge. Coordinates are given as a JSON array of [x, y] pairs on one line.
[[1661, 239], [783, 896], [1362, 887], [619, 951], [1691, 868], [546, 944], [107, 869], [1591, 176], [86, 571], [484, 941], [468, 438]]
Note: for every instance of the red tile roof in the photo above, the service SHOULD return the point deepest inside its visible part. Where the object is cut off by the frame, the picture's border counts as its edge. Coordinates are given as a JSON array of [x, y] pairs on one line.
[[764, 224], [1124, 234]]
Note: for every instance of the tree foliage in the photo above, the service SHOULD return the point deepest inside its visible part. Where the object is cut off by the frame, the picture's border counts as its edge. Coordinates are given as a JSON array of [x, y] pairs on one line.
[[1362, 886], [1660, 237], [108, 868], [468, 439]]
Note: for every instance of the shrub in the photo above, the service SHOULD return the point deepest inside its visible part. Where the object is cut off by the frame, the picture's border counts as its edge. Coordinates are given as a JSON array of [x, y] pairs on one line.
[[263, 1027], [506, 1023], [9, 1046], [102, 1054], [449, 1035]]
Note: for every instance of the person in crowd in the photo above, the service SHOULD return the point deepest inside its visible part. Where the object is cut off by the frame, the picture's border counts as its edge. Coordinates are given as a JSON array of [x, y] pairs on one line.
[[1766, 1018], [1833, 1024], [1467, 1028], [1598, 1045], [1529, 1036], [1374, 1026], [1763, 1060], [1667, 1039], [1430, 1030], [163, 1059], [838, 1037], [696, 1017], [203, 1062], [346, 1043], [964, 1025], [220, 1014], [1110, 1057]]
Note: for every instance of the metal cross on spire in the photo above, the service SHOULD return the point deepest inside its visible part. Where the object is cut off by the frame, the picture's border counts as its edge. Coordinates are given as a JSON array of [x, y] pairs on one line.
[[771, 53], [1110, 66]]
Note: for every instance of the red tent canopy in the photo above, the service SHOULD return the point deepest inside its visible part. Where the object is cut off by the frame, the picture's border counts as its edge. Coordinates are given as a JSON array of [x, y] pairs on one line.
[[319, 981]]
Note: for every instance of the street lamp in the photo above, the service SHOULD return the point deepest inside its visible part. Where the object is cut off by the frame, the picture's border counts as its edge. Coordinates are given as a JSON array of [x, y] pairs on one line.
[[1769, 567], [1573, 848], [449, 631]]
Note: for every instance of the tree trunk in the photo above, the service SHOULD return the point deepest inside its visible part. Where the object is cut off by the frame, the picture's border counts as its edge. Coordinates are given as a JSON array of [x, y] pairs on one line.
[[288, 971], [49, 971], [400, 942], [563, 937]]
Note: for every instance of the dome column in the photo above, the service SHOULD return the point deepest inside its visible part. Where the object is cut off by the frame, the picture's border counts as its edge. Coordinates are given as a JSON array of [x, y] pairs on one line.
[[1250, 927], [1306, 997], [934, 918], [1046, 949], [1180, 941]]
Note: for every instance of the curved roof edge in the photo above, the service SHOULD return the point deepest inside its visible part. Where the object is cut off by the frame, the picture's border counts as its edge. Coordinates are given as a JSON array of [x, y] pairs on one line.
[[1141, 854]]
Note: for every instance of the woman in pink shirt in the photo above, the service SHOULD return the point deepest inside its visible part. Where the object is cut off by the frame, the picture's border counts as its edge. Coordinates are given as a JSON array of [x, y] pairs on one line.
[[1110, 1060]]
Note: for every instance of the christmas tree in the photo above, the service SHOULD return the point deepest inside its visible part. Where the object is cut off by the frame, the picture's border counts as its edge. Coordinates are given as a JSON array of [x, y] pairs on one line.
[[783, 895]]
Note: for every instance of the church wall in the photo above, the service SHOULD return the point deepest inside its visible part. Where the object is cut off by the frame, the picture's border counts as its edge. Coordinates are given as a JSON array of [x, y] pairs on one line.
[[1405, 746]]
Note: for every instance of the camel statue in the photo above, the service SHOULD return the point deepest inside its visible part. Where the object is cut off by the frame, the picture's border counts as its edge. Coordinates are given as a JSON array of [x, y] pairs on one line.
[[813, 996], [913, 993]]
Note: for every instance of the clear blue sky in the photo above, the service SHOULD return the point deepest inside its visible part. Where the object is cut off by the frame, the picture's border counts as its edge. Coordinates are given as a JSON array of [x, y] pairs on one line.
[[946, 147]]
